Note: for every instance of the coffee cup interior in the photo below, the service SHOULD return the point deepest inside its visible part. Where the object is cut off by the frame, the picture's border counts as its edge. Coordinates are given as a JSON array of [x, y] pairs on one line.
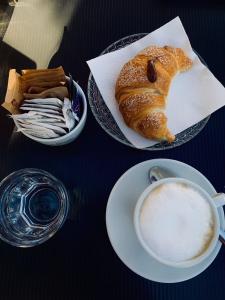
[[173, 218]]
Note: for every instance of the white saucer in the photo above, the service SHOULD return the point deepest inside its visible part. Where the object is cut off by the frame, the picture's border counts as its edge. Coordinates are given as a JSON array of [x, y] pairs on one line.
[[120, 228]]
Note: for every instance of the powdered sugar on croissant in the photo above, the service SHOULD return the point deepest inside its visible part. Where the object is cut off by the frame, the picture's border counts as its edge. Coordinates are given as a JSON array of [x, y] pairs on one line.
[[142, 88]]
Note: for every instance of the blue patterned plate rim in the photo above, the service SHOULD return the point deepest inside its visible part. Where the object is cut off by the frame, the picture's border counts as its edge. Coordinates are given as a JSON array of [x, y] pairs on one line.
[[104, 116]]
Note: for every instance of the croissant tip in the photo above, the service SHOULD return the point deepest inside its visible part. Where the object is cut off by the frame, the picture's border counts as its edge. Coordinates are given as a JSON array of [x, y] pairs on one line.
[[170, 137]]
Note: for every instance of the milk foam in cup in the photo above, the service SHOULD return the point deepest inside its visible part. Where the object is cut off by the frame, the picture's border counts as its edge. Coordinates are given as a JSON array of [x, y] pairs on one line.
[[177, 222]]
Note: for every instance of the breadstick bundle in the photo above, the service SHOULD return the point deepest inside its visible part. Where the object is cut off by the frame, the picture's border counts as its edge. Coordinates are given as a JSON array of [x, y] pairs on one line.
[[39, 102]]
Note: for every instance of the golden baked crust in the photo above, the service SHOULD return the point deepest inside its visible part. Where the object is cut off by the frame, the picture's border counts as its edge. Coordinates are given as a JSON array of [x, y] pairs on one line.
[[141, 90]]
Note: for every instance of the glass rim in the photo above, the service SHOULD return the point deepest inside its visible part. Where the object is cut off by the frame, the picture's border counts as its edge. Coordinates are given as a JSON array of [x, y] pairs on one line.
[[53, 226]]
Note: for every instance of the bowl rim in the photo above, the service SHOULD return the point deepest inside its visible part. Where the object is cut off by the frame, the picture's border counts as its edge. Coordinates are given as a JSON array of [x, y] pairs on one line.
[[61, 138]]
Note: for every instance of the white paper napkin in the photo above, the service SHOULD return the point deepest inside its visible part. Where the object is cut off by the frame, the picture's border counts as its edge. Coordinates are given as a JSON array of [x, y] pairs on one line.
[[193, 94]]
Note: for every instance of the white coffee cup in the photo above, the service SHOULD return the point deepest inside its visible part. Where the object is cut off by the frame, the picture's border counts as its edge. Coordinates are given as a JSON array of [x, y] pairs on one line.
[[215, 201]]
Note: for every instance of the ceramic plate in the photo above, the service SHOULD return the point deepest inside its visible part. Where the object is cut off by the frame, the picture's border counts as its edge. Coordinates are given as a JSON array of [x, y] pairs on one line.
[[120, 228], [106, 120]]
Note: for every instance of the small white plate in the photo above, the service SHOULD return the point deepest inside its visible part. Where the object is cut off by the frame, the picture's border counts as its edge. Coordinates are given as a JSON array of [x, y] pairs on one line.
[[120, 228]]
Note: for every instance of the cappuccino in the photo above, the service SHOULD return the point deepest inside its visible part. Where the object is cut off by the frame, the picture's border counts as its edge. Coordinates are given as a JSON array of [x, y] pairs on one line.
[[176, 222]]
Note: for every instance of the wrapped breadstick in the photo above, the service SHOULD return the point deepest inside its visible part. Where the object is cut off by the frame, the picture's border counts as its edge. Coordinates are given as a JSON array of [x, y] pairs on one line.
[[68, 114], [42, 78], [59, 92], [46, 101], [37, 127], [37, 115], [46, 106], [44, 110], [14, 95], [44, 133]]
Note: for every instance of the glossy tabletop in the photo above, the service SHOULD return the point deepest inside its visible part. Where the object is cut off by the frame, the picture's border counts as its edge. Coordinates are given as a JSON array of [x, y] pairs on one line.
[[79, 262]]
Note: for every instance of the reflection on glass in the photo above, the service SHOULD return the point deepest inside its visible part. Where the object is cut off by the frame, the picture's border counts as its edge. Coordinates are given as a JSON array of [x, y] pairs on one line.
[[34, 205]]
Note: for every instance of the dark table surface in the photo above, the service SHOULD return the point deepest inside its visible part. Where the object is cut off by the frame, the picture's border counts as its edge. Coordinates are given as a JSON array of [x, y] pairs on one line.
[[79, 262]]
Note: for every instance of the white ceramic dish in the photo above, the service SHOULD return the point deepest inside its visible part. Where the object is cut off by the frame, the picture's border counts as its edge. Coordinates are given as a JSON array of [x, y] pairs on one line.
[[120, 227], [214, 202], [105, 119], [73, 134]]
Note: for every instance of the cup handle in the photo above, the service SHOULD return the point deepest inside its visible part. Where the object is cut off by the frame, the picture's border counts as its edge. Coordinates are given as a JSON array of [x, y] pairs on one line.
[[220, 201]]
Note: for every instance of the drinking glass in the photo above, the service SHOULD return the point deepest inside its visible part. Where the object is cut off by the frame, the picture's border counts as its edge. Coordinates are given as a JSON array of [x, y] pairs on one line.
[[33, 206]]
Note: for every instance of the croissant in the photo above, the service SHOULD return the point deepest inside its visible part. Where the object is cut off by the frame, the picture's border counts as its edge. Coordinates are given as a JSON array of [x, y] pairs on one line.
[[142, 88]]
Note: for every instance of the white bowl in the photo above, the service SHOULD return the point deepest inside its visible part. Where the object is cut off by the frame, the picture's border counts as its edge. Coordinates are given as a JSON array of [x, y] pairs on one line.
[[72, 135]]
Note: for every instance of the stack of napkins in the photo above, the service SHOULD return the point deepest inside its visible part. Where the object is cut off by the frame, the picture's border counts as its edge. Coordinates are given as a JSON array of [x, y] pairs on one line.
[[193, 95]]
